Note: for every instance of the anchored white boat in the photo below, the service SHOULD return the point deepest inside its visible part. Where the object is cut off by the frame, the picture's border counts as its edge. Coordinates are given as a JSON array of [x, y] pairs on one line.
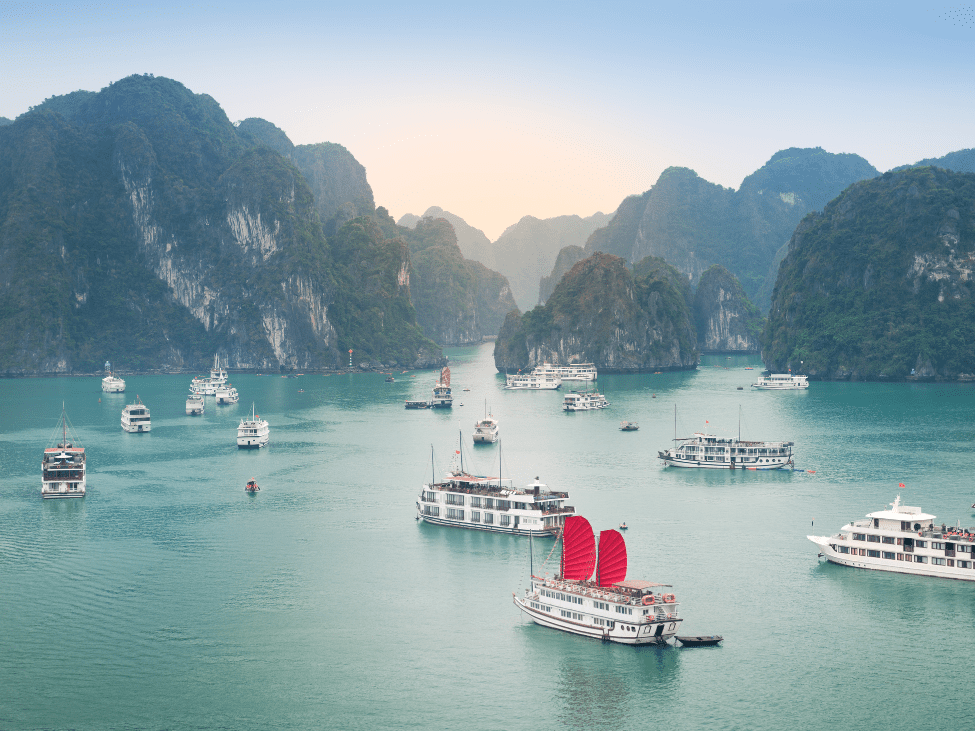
[[486, 430], [584, 401], [253, 433], [63, 467], [195, 405], [708, 451], [604, 605], [904, 540], [227, 394], [218, 374], [442, 398], [532, 382], [135, 417], [112, 383], [487, 503], [781, 382], [571, 372]]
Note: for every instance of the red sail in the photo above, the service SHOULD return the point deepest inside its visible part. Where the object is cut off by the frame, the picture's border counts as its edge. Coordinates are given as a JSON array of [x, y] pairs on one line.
[[612, 558], [578, 549], [445, 375]]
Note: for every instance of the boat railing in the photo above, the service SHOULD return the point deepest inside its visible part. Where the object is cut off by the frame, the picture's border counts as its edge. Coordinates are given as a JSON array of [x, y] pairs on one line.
[[559, 511]]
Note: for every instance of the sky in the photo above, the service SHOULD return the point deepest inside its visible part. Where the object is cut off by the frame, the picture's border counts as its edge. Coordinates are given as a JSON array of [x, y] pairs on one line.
[[494, 111]]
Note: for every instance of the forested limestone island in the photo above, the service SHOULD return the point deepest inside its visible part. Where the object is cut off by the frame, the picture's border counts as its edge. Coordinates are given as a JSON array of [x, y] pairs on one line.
[[879, 285], [139, 225], [725, 319], [694, 224], [604, 313]]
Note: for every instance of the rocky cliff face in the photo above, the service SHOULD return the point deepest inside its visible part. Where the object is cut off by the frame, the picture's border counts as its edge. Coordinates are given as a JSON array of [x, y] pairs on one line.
[[693, 223], [724, 318], [879, 286], [601, 313], [568, 257], [163, 235]]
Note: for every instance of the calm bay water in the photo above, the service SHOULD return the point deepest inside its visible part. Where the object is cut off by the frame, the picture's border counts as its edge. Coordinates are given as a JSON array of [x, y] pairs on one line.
[[169, 598]]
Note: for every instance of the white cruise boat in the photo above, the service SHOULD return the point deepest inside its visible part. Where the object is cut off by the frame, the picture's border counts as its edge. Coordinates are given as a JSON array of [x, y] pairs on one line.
[[195, 405], [904, 540], [135, 417], [492, 504], [63, 467], [486, 430], [592, 597], [584, 401], [708, 451], [253, 433], [571, 372], [781, 382], [226, 394], [218, 374], [112, 383], [532, 382], [442, 398]]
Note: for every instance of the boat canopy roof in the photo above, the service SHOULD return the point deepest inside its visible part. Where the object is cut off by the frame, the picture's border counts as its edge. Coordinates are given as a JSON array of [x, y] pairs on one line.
[[638, 584]]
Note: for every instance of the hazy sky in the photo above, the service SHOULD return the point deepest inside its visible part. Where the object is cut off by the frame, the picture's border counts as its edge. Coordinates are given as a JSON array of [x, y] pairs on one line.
[[498, 110]]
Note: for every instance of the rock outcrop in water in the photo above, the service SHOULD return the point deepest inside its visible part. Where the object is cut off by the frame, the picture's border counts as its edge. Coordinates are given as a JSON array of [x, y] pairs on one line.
[[879, 285], [601, 313]]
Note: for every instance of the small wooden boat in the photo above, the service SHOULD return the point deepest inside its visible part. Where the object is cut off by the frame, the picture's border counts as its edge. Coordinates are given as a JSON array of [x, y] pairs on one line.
[[418, 404], [622, 526], [390, 379], [629, 426], [700, 641], [251, 486]]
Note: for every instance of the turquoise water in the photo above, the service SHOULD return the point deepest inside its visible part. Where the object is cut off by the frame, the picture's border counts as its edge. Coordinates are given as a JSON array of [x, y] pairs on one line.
[[170, 599]]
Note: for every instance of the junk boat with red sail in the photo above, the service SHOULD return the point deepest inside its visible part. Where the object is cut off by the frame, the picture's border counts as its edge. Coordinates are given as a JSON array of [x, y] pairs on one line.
[[442, 398], [591, 595], [63, 467]]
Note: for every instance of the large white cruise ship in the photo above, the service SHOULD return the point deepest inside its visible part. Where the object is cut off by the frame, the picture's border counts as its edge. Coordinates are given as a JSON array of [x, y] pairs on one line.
[[710, 452], [903, 540], [605, 604], [532, 382], [492, 504], [571, 372], [584, 401], [781, 382], [63, 467], [135, 417], [253, 433]]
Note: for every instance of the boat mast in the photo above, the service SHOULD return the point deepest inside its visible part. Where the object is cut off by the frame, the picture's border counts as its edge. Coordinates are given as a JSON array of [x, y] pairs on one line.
[[460, 450], [433, 470]]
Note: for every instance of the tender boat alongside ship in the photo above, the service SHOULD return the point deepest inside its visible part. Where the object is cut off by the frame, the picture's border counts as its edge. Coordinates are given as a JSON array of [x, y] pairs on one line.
[[135, 417], [904, 540], [532, 382], [584, 401], [782, 382], [253, 433], [604, 605], [63, 469], [195, 405]]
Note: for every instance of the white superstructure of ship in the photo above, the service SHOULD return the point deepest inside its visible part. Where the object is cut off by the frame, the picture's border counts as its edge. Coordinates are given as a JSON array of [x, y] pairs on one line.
[[532, 382], [253, 433], [591, 595], [584, 401], [218, 374], [195, 405], [487, 430], [781, 382], [571, 372], [63, 469], [904, 540], [712, 452], [112, 383], [226, 394], [135, 417]]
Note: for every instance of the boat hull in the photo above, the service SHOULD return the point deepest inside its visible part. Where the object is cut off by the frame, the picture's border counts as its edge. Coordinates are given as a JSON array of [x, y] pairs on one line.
[[669, 462], [485, 438], [252, 443], [490, 528], [647, 633], [136, 428], [65, 494]]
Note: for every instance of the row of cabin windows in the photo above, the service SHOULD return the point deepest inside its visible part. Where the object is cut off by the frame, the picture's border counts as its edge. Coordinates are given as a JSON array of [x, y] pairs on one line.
[[890, 556], [540, 607], [477, 502], [562, 597], [572, 615], [724, 450], [935, 545]]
